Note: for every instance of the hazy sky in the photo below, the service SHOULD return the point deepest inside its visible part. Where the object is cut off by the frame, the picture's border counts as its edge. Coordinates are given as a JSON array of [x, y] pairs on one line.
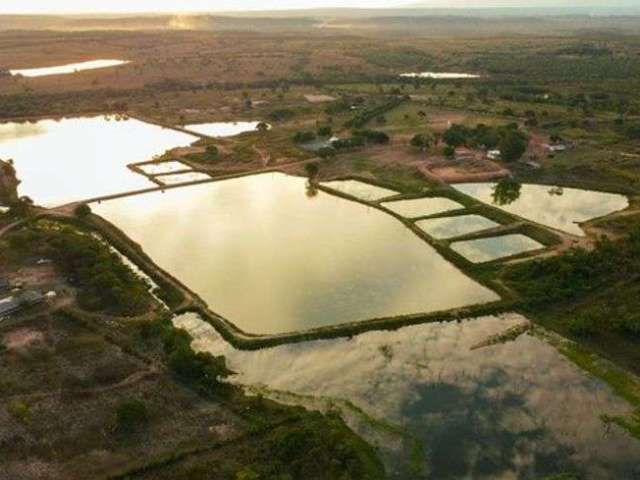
[[63, 6], [119, 6]]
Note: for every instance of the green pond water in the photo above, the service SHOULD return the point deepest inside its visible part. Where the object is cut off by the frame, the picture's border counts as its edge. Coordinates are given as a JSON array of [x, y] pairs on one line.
[[493, 248], [271, 259], [449, 227], [433, 402], [555, 207], [422, 207], [61, 161]]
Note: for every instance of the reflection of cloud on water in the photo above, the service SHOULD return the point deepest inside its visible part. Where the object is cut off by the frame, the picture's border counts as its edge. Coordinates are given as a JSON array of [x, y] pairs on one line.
[[517, 410], [271, 260], [13, 131], [540, 204]]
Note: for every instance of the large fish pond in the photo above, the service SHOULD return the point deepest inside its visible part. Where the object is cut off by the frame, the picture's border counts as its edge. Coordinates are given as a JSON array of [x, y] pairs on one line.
[[440, 405], [272, 259]]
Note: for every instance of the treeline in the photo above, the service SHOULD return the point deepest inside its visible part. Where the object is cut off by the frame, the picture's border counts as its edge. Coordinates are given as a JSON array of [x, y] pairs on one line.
[[103, 281], [367, 114], [603, 283], [509, 139]]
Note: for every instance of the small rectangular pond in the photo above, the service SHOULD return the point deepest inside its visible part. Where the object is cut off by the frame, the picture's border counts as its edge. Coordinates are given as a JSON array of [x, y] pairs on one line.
[[449, 227], [222, 129], [493, 248], [422, 207], [361, 190], [561, 208], [270, 259], [163, 167], [66, 69], [176, 178], [61, 161]]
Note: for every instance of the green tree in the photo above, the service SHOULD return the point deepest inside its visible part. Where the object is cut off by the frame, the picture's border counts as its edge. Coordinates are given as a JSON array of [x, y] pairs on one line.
[[327, 152], [83, 210], [131, 414], [513, 145], [262, 127], [421, 142], [506, 191], [325, 131]]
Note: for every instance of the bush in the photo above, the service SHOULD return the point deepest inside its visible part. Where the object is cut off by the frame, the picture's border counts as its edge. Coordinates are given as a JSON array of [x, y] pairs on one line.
[[83, 210], [19, 410], [131, 414]]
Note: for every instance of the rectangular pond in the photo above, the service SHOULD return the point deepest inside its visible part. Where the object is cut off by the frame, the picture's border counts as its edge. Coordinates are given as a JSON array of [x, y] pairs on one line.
[[271, 259], [449, 227], [361, 190], [157, 168], [176, 178], [422, 207], [61, 161], [493, 248], [560, 208], [66, 69]]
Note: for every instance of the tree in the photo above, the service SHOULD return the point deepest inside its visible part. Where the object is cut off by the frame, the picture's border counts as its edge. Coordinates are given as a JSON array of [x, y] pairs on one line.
[[327, 152], [513, 145], [506, 191], [83, 210], [131, 414], [456, 135], [262, 127], [325, 131], [449, 151], [421, 142]]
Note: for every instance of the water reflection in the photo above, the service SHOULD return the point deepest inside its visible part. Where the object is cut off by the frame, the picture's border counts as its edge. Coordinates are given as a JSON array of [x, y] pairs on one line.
[[223, 129], [506, 191], [517, 410], [361, 190], [65, 69], [270, 259], [61, 161], [493, 248], [421, 207], [439, 75], [544, 205], [449, 227]]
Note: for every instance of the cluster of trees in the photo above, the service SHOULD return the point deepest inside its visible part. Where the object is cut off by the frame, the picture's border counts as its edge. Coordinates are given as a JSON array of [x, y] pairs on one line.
[[510, 140], [364, 116], [200, 370], [308, 136], [281, 115], [104, 282], [578, 276]]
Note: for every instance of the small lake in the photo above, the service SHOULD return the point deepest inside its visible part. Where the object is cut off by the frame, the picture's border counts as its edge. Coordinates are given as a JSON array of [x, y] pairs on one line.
[[60, 161], [439, 75], [222, 129], [449, 227], [361, 190], [66, 69], [422, 207], [555, 207], [517, 410], [272, 259], [493, 248]]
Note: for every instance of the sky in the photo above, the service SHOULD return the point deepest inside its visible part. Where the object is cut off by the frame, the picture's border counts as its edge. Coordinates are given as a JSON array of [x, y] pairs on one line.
[[85, 6], [125, 6]]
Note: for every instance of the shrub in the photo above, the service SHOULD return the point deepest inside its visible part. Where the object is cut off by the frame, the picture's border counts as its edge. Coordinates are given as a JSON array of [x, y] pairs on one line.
[[131, 414], [83, 210], [19, 410]]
